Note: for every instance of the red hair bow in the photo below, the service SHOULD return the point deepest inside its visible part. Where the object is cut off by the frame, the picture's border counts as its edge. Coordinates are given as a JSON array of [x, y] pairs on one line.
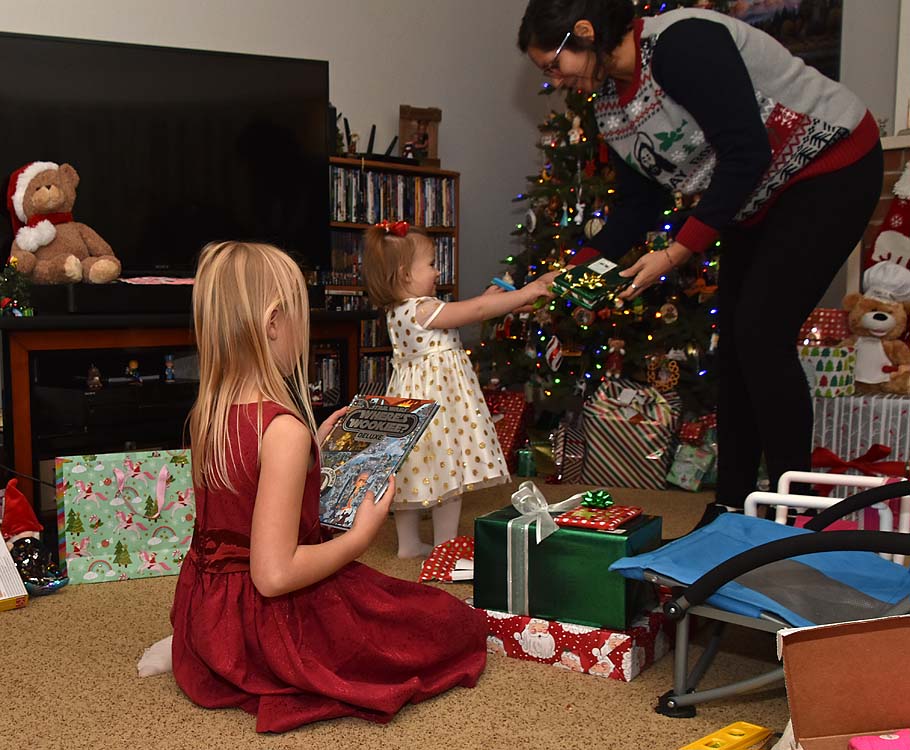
[[398, 228]]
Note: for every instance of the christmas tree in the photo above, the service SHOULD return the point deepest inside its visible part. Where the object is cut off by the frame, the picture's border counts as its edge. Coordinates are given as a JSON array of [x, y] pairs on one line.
[[122, 554], [151, 507], [74, 523], [561, 353]]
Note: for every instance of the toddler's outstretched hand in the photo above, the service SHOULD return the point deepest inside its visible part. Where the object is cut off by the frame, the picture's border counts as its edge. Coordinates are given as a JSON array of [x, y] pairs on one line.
[[371, 515], [541, 288]]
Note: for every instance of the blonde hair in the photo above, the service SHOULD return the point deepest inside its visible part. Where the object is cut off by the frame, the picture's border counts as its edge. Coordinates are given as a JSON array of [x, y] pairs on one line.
[[387, 258], [238, 286]]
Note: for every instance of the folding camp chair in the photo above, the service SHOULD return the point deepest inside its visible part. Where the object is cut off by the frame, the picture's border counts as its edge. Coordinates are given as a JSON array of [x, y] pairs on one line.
[[753, 572]]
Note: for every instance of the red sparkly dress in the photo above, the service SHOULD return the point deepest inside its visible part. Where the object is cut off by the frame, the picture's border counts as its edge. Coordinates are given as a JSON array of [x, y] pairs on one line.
[[357, 643]]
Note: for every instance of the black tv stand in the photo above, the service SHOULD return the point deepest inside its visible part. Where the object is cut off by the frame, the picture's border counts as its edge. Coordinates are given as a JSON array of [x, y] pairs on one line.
[[116, 298]]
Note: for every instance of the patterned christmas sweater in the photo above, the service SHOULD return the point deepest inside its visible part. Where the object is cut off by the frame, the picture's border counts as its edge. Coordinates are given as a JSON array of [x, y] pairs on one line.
[[724, 111]]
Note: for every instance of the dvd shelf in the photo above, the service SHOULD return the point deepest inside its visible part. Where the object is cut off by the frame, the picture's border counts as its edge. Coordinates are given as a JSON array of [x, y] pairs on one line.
[[363, 193]]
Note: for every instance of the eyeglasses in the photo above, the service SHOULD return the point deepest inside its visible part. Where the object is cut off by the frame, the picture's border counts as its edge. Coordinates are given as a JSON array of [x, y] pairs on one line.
[[553, 66]]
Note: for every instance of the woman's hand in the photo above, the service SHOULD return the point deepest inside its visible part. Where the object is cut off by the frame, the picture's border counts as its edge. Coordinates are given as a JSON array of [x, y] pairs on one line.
[[648, 269], [326, 427], [371, 515]]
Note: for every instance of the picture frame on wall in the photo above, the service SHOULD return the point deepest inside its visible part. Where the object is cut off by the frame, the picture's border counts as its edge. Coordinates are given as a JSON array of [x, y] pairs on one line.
[[418, 134], [810, 29]]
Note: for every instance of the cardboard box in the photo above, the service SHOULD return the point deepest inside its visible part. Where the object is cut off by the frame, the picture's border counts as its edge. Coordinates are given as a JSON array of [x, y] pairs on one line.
[[847, 680]]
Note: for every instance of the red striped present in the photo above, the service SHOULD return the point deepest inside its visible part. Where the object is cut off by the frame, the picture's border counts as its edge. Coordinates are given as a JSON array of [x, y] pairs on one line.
[[629, 428], [568, 453]]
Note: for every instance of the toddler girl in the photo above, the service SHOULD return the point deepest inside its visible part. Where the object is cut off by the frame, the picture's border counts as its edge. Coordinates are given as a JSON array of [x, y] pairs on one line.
[[459, 451]]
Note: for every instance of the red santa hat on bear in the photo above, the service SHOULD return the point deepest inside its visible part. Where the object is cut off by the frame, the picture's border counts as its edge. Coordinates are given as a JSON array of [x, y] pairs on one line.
[[39, 230], [893, 240]]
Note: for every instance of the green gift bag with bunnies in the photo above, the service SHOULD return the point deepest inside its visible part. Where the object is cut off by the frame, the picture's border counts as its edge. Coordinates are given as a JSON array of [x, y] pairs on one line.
[[124, 515]]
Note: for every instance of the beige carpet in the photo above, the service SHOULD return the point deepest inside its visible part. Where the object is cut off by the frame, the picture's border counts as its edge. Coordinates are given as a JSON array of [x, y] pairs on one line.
[[69, 677]]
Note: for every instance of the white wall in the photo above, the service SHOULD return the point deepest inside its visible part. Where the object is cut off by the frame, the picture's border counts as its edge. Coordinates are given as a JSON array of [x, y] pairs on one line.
[[458, 55]]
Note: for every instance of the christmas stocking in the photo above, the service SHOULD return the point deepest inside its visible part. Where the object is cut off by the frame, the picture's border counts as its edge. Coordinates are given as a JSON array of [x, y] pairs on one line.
[[22, 534]]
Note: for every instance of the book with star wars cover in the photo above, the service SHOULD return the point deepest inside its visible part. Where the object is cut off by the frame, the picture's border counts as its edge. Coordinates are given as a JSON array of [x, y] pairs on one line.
[[366, 446]]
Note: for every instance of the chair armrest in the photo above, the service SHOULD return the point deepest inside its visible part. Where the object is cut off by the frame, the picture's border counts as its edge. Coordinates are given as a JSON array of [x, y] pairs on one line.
[[782, 549]]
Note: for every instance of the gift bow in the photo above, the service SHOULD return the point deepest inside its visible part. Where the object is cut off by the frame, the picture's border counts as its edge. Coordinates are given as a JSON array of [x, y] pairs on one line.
[[596, 499], [869, 463], [532, 506], [398, 228], [590, 281], [529, 501]]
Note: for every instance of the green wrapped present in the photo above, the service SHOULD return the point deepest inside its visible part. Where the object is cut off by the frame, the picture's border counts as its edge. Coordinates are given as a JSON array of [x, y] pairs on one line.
[[591, 285], [564, 575]]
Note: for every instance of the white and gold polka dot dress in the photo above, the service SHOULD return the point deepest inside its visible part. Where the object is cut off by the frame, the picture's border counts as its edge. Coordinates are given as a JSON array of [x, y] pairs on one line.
[[459, 451]]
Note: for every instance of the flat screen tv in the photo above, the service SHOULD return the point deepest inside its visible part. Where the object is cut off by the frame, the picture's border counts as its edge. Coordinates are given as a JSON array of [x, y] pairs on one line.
[[174, 147]]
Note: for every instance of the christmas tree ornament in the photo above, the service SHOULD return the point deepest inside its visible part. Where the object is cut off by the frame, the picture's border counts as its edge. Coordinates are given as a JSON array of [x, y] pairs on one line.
[[590, 168], [663, 373], [583, 316], [615, 357], [575, 132], [580, 387], [531, 221], [893, 240], [564, 221], [669, 314], [546, 174], [553, 353], [593, 226], [579, 213], [712, 345], [543, 316]]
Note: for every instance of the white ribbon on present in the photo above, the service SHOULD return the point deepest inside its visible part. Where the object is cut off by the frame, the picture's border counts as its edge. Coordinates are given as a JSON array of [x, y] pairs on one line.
[[529, 501]]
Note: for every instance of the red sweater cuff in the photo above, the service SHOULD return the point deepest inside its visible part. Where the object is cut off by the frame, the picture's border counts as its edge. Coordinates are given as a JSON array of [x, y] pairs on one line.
[[583, 255], [696, 235]]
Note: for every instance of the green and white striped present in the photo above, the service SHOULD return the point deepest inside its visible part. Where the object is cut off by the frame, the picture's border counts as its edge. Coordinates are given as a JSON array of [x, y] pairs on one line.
[[630, 429], [829, 369]]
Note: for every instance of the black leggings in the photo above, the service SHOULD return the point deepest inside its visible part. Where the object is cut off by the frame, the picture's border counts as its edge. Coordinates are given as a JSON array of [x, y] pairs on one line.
[[771, 276]]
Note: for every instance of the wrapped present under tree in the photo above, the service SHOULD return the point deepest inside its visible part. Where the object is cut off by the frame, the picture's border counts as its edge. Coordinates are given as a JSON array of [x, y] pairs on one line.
[[630, 429], [613, 654], [511, 414], [564, 575]]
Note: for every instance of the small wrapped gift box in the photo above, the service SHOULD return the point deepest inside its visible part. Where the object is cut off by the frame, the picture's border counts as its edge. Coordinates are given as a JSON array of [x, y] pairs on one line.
[[598, 519], [825, 326], [613, 654], [591, 284], [690, 466], [829, 369], [564, 576]]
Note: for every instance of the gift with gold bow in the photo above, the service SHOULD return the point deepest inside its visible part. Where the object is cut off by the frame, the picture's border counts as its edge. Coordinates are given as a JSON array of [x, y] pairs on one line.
[[525, 564], [591, 285]]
